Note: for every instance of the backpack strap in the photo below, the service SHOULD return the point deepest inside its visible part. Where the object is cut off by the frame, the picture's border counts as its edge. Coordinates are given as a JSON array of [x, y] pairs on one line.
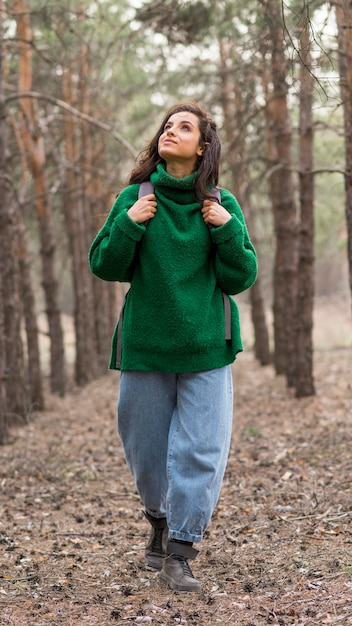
[[215, 191], [227, 314], [145, 189]]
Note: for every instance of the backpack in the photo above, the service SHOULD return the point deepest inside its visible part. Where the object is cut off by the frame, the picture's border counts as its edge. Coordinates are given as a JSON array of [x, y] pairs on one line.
[[145, 189]]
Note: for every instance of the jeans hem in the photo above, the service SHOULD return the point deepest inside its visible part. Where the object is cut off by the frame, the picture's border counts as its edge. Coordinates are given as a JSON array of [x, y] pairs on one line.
[[176, 534], [155, 514]]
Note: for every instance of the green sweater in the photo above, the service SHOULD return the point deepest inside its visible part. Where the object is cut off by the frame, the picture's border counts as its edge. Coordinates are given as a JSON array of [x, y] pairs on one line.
[[178, 269]]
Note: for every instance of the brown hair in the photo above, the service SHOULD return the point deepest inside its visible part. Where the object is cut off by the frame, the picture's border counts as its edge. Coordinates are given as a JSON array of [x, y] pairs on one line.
[[207, 164]]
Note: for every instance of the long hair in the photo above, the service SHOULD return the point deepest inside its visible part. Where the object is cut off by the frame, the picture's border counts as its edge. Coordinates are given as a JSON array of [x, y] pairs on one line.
[[207, 166]]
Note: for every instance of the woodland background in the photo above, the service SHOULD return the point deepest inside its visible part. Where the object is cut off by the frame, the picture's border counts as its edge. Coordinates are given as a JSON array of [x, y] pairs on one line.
[[84, 84]]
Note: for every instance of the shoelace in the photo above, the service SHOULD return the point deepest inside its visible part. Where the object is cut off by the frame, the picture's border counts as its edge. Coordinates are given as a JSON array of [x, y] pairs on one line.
[[157, 545], [185, 566]]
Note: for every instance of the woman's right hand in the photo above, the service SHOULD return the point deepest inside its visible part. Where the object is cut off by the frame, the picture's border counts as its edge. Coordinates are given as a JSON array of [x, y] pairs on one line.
[[144, 209]]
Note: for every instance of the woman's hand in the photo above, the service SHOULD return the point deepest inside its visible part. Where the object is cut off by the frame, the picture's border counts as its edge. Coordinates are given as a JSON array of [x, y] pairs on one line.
[[215, 214], [144, 209]]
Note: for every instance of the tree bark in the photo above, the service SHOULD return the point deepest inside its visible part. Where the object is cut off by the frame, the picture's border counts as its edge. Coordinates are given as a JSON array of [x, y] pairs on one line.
[[34, 145], [304, 381], [235, 127], [75, 219], [281, 188], [3, 397], [12, 386], [3, 205], [93, 144], [344, 26], [35, 378]]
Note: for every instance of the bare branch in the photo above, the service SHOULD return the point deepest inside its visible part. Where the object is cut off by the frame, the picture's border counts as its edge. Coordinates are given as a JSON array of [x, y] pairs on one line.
[[83, 116], [295, 48]]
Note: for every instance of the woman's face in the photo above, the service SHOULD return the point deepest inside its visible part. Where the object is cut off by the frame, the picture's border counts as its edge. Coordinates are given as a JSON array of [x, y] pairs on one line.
[[179, 141]]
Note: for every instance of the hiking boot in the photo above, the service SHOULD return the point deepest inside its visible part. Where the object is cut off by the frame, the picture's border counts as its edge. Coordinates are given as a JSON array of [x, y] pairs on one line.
[[176, 571], [155, 550]]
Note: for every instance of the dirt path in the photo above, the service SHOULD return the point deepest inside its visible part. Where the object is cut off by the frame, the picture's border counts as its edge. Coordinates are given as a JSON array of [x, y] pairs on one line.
[[278, 550]]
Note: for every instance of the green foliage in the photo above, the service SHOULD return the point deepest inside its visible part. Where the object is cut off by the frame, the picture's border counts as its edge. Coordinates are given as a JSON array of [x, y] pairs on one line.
[[184, 22]]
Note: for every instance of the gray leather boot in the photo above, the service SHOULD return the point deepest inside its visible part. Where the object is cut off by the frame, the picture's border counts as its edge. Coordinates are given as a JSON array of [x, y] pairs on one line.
[[176, 571], [155, 550]]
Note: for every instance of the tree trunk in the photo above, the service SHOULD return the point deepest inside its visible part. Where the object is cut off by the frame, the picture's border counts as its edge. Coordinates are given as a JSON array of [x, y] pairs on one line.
[[235, 127], [3, 208], [92, 146], [279, 142], [304, 382], [344, 25], [29, 312], [3, 380], [75, 219], [34, 145], [12, 386]]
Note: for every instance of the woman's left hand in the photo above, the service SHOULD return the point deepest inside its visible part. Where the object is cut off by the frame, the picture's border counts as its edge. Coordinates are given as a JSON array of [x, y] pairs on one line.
[[215, 214]]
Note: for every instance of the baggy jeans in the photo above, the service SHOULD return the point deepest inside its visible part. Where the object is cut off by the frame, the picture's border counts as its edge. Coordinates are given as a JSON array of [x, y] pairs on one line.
[[176, 433]]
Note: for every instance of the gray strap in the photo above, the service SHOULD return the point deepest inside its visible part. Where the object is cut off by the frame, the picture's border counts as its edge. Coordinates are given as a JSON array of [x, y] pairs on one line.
[[227, 313], [145, 189], [215, 191]]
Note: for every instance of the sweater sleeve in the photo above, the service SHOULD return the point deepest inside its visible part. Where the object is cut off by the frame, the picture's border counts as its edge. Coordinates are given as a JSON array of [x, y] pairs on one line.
[[113, 250], [235, 257]]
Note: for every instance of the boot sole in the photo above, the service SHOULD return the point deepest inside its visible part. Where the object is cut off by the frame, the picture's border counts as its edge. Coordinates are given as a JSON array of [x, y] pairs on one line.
[[175, 586]]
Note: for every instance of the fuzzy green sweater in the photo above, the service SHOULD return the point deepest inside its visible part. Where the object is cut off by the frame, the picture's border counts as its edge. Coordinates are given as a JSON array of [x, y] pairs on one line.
[[178, 269]]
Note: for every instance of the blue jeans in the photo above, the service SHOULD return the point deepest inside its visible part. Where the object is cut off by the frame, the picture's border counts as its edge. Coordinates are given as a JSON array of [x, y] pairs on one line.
[[176, 433]]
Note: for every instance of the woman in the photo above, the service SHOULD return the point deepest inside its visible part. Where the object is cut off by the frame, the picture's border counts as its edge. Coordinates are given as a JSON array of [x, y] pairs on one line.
[[183, 253]]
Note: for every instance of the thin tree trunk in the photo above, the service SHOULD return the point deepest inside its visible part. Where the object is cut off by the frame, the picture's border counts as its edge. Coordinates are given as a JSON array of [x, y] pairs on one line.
[[344, 25], [235, 130], [85, 364], [304, 382], [29, 312], [12, 386], [279, 141], [91, 145], [34, 144], [3, 207], [3, 379]]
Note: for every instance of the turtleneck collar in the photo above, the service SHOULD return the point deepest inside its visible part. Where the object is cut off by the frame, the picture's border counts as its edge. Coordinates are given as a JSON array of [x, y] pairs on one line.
[[160, 178]]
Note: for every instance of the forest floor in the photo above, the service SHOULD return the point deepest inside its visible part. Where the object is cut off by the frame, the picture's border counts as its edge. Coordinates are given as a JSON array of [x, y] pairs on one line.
[[278, 550]]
